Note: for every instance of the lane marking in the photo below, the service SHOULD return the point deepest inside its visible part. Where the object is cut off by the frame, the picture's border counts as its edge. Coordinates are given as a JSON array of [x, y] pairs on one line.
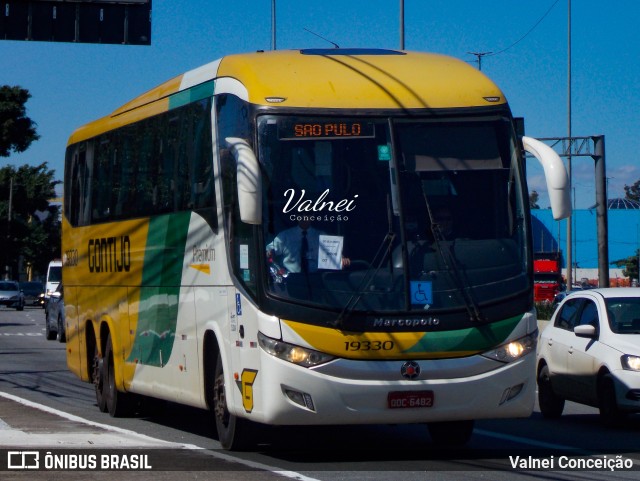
[[107, 427]]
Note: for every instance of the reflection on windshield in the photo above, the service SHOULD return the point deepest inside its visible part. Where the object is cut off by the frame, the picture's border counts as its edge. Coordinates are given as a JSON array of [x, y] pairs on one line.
[[624, 315], [375, 216]]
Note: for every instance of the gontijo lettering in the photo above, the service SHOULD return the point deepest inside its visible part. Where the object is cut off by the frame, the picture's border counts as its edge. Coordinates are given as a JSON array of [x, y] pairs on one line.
[[110, 254]]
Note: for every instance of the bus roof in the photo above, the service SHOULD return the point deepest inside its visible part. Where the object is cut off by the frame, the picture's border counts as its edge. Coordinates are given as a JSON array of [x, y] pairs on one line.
[[318, 78]]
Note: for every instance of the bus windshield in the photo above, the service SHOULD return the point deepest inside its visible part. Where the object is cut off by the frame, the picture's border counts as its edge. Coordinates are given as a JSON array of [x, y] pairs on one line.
[[392, 215]]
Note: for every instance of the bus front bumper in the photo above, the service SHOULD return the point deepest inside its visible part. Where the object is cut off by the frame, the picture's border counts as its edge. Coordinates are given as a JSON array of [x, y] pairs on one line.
[[374, 392]]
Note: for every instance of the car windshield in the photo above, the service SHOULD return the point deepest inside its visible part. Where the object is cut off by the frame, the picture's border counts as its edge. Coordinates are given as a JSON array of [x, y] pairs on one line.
[[55, 274], [624, 314], [8, 286]]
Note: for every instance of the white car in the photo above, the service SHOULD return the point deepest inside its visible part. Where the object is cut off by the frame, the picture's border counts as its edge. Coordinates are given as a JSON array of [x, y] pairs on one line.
[[589, 353]]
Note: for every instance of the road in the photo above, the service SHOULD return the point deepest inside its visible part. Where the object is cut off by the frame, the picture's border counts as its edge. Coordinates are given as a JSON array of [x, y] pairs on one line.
[[43, 406]]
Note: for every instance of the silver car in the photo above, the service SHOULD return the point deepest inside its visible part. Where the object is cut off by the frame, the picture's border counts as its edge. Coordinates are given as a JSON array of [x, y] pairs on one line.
[[11, 295], [54, 316]]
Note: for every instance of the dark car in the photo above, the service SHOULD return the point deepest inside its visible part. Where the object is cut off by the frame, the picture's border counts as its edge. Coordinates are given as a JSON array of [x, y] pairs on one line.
[[33, 293], [10, 295], [576, 287], [54, 318]]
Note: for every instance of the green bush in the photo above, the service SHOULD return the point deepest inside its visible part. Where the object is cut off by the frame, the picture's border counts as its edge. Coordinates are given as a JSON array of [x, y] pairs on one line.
[[545, 310]]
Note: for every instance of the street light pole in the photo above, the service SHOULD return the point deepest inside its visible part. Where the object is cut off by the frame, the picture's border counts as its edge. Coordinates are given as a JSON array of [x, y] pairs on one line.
[[569, 226], [273, 24], [401, 24]]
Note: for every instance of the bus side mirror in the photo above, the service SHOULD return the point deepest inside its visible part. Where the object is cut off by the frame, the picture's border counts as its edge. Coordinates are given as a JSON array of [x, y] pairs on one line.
[[249, 181], [555, 175]]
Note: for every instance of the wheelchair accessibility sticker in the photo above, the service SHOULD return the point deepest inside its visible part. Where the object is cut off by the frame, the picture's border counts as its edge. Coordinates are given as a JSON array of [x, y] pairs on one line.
[[421, 293]]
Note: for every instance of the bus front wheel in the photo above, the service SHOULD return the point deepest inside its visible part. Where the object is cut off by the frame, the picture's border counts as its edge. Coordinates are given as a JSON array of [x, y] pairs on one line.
[[233, 433]]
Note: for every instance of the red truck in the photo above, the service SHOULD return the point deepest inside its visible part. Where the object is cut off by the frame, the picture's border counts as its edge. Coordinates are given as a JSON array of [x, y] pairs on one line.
[[547, 275]]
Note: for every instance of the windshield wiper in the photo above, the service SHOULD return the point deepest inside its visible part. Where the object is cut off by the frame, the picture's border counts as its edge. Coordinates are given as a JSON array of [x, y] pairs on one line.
[[451, 263], [352, 302], [380, 256]]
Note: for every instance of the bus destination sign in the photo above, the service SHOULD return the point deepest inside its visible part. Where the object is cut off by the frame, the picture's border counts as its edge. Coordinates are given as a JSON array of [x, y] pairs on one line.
[[327, 129]]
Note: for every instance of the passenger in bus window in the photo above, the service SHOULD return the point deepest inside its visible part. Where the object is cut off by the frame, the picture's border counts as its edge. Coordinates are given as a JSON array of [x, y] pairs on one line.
[[297, 248]]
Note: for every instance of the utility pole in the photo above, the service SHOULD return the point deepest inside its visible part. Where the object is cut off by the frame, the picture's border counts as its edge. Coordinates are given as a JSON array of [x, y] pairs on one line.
[[569, 227], [592, 146], [480, 55]]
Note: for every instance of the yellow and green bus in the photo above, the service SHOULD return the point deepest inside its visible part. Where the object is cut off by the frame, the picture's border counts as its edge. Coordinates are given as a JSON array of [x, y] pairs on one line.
[[186, 278]]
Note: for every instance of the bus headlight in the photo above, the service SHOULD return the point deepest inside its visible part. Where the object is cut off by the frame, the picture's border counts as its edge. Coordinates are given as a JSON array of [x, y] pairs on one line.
[[301, 356], [514, 350]]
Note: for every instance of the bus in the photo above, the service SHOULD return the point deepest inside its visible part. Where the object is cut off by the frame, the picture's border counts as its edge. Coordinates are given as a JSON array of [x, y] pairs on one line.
[[179, 285]]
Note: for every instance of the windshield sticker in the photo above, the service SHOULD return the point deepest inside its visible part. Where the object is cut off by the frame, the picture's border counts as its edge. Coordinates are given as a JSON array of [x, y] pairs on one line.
[[244, 256], [422, 293], [330, 252], [384, 153]]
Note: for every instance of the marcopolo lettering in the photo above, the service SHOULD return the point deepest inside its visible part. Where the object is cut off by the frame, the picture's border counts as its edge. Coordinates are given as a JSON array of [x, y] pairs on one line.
[[420, 322], [110, 254]]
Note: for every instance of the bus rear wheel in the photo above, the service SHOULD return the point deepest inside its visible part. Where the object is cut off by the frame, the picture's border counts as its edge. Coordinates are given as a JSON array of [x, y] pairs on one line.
[[234, 433], [97, 376], [119, 404]]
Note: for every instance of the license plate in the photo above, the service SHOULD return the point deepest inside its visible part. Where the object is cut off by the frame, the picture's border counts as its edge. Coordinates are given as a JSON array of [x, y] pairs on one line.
[[410, 399]]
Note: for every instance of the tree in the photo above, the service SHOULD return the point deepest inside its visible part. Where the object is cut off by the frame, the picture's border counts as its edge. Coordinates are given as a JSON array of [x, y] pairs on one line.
[[632, 192], [629, 265], [17, 131], [533, 200], [29, 225]]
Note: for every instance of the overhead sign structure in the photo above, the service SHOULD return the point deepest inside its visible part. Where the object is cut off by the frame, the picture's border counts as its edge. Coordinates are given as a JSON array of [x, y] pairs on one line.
[[125, 22]]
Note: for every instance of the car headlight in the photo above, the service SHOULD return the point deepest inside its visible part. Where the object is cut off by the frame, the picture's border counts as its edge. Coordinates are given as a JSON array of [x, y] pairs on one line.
[[630, 363], [514, 350], [301, 356]]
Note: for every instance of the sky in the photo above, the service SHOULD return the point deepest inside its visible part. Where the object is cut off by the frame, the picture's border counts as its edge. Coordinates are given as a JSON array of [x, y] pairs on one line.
[[72, 84]]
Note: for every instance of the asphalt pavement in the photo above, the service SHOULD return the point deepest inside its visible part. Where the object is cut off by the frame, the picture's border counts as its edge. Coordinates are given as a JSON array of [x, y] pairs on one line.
[[40, 443]]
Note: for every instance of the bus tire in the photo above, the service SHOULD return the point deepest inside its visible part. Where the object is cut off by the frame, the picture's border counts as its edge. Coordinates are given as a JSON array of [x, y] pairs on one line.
[[119, 404], [97, 376], [234, 434], [451, 433]]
